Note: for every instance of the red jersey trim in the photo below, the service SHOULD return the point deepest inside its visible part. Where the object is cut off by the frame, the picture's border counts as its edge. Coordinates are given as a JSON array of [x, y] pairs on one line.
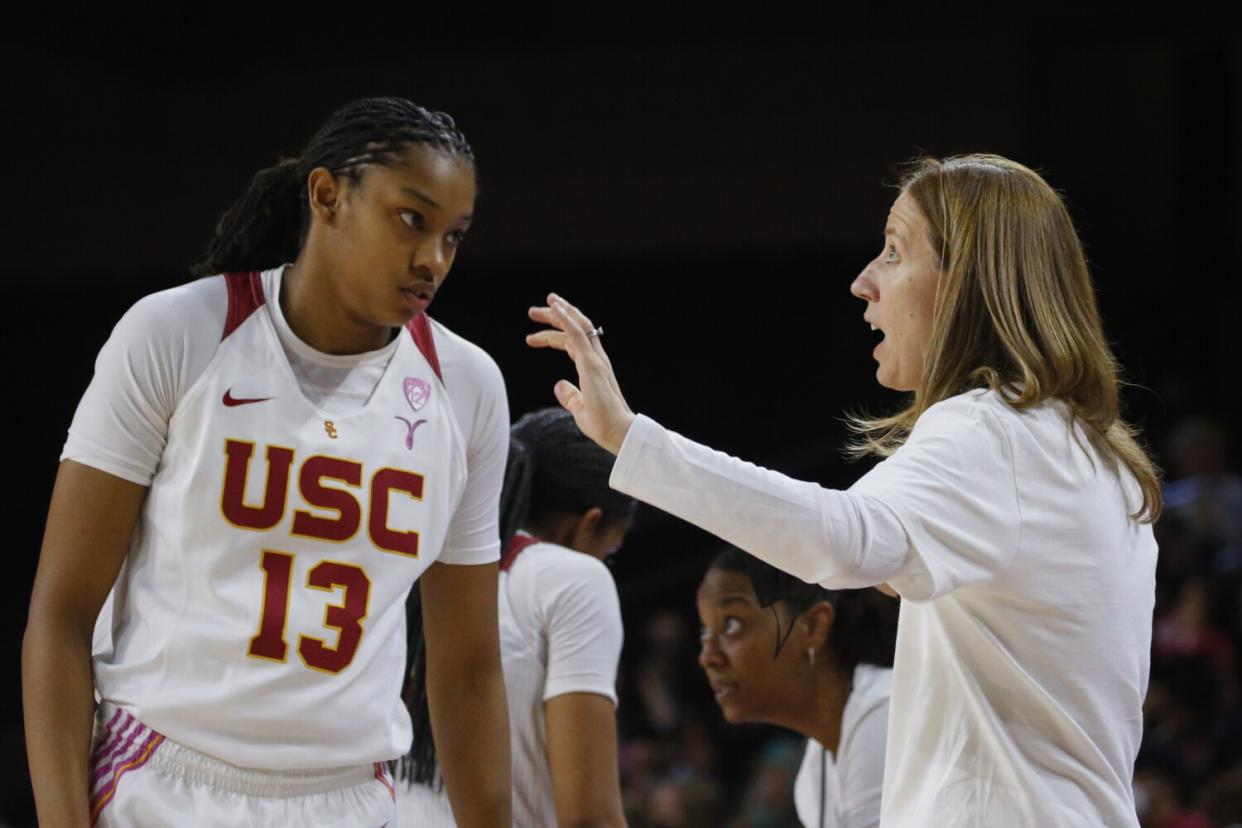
[[514, 548], [245, 297], [420, 328]]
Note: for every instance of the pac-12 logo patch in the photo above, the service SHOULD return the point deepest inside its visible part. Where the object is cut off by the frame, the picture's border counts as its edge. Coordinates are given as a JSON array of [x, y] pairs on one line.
[[417, 392]]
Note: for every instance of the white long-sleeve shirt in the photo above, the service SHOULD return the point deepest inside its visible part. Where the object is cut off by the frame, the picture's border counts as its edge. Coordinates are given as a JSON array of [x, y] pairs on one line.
[[1023, 645]]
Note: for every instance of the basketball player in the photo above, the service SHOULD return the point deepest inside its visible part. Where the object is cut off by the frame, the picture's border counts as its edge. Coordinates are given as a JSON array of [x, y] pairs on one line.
[[263, 464], [1012, 512], [560, 636], [788, 653]]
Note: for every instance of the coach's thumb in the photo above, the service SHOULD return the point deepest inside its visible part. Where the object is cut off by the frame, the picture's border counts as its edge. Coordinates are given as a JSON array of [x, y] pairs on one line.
[[568, 395]]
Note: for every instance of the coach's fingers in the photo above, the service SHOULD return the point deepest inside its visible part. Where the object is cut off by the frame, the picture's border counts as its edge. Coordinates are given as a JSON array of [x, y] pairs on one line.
[[562, 329], [596, 401], [560, 334], [576, 326], [540, 314], [575, 317], [574, 313], [548, 339], [558, 339], [568, 318], [562, 315], [577, 343]]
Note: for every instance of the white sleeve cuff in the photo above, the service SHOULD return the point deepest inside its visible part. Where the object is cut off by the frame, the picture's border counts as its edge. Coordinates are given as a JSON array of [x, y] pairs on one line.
[[579, 684], [644, 432], [470, 557], [80, 450]]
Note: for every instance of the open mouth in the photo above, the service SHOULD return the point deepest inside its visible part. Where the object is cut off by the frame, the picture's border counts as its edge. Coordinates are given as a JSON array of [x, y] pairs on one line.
[[876, 329], [418, 297]]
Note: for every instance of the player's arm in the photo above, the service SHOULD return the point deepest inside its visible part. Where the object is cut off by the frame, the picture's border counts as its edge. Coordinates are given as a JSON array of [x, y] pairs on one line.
[[159, 347], [582, 757], [466, 691], [581, 618], [89, 525]]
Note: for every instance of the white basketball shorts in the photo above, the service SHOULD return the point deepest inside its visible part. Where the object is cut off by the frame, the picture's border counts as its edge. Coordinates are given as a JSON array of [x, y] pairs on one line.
[[141, 778]]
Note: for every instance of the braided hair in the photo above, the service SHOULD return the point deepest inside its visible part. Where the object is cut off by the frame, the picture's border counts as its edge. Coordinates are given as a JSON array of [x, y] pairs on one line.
[[557, 470], [267, 225], [864, 629], [553, 470]]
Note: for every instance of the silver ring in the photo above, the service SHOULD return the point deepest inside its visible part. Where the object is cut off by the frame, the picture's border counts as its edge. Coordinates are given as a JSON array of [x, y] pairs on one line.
[[599, 331]]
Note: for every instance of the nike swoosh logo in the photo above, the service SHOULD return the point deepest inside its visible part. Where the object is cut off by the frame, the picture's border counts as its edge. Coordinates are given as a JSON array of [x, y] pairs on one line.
[[231, 401]]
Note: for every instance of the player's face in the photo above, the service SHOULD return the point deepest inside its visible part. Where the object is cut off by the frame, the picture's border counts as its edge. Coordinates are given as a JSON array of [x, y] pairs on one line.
[[899, 287], [397, 233], [736, 645]]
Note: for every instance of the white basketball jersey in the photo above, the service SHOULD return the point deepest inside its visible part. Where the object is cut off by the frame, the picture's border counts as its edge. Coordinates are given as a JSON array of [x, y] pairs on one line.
[[524, 658], [260, 614], [560, 632]]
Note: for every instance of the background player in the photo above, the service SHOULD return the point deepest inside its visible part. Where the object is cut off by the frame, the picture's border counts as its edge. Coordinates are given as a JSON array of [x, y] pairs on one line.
[[561, 635], [781, 651], [1012, 512], [268, 461]]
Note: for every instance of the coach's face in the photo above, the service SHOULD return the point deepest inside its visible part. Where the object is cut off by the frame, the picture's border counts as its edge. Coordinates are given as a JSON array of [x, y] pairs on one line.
[[899, 287], [736, 646]]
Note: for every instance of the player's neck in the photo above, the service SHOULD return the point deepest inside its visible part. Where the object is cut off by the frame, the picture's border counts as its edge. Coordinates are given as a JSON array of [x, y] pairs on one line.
[[314, 312], [824, 714], [555, 531]]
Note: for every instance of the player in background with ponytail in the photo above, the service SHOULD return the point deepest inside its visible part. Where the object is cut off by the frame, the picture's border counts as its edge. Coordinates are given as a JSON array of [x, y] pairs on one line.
[[561, 635]]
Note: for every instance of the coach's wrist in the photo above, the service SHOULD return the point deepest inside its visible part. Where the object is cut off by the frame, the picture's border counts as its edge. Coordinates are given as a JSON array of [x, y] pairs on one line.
[[615, 437]]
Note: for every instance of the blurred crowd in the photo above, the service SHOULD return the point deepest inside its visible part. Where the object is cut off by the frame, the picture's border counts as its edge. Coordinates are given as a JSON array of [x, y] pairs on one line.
[[684, 767], [1189, 771]]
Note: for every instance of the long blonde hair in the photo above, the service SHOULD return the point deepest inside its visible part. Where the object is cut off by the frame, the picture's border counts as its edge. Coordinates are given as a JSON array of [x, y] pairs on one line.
[[1015, 311]]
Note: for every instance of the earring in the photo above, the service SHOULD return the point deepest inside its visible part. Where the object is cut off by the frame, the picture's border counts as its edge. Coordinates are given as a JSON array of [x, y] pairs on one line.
[[810, 653]]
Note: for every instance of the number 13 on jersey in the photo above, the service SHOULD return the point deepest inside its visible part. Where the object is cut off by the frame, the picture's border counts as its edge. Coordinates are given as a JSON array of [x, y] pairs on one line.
[[346, 617]]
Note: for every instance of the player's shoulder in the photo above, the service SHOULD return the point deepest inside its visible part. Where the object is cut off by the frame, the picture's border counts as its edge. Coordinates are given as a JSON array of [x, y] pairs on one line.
[[568, 587], [475, 385], [868, 703], [460, 356], [200, 303], [551, 563], [178, 322], [465, 364], [872, 685]]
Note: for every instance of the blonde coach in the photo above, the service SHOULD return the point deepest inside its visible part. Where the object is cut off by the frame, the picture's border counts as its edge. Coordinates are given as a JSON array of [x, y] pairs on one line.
[[1012, 510]]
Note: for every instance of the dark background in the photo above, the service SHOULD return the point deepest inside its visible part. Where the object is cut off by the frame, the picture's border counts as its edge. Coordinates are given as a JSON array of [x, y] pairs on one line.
[[704, 185]]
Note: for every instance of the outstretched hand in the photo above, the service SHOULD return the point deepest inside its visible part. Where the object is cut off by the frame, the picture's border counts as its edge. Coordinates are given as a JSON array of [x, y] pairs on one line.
[[596, 402]]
